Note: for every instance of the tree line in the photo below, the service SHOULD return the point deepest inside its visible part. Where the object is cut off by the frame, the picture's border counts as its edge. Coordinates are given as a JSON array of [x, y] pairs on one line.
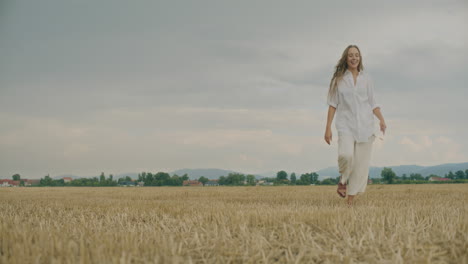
[[388, 176], [238, 179]]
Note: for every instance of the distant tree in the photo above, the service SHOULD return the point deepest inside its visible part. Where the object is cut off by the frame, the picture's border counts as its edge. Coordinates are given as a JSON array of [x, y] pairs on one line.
[[222, 180], [329, 181], [142, 176], [459, 175], [110, 180], [122, 180], [185, 177], [250, 179], [16, 177], [174, 180], [47, 181], [388, 175], [59, 182], [315, 177], [293, 178], [162, 178], [376, 180], [102, 178], [416, 176], [404, 177], [94, 181], [203, 179], [451, 175], [304, 179], [281, 175], [149, 180], [466, 174], [308, 178], [234, 178]]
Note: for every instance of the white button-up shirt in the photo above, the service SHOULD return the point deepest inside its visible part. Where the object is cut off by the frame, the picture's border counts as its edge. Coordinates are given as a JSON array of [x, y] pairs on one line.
[[354, 106]]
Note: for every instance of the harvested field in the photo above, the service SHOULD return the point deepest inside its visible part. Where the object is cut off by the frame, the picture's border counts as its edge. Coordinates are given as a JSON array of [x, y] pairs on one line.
[[425, 223]]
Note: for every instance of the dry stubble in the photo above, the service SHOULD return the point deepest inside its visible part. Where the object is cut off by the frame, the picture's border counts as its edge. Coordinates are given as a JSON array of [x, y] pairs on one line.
[[294, 224]]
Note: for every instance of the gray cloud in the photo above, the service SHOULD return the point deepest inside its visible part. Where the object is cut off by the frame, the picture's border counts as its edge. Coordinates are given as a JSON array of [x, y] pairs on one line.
[[245, 72]]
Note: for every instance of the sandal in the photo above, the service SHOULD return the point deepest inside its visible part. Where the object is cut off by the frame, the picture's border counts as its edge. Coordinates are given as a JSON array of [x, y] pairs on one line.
[[341, 187]]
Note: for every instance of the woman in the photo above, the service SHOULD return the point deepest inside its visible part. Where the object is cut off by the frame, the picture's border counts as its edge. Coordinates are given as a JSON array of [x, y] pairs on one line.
[[351, 96]]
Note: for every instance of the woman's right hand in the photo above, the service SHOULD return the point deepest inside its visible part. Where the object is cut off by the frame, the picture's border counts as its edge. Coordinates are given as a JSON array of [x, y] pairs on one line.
[[328, 135]]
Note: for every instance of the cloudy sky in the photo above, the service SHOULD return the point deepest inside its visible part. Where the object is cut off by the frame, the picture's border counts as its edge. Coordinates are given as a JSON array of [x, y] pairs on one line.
[[128, 86]]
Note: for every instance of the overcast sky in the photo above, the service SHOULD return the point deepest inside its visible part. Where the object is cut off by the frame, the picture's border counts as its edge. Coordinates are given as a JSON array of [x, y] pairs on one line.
[[131, 86]]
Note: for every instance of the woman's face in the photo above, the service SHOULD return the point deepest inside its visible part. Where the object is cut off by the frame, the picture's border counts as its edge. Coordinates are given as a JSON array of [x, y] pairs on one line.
[[353, 58]]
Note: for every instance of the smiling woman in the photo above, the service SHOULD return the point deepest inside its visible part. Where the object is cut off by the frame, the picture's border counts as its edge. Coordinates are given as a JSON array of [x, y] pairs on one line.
[[351, 96]]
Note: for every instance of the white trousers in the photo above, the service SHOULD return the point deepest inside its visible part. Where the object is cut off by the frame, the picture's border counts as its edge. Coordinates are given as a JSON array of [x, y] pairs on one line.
[[353, 162]]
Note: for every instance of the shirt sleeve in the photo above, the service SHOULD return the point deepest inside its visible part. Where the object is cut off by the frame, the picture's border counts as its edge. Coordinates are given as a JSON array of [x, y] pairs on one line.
[[332, 100], [371, 94]]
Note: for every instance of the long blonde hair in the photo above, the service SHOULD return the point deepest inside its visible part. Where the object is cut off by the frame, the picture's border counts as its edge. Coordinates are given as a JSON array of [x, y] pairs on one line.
[[341, 68]]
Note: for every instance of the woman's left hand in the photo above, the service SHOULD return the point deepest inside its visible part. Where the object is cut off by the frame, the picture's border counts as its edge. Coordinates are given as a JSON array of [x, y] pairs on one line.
[[383, 127]]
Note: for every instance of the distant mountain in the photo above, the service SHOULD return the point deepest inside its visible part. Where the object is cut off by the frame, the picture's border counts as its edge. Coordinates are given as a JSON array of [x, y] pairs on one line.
[[374, 172], [444, 168]]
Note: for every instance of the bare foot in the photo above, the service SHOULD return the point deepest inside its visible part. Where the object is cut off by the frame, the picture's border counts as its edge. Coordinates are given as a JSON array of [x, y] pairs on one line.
[[350, 200], [341, 189]]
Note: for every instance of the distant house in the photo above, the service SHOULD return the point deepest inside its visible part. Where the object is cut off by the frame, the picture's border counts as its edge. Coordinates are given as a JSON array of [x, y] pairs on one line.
[[9, 183], [192, 183], [212, 183], [67, 179], [5, 183], [433, 178], [31, 182]]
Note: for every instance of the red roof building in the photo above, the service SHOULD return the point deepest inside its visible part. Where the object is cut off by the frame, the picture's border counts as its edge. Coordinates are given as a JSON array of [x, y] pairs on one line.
[[67, 179], [438, 179], [192, 183], [7, 182]]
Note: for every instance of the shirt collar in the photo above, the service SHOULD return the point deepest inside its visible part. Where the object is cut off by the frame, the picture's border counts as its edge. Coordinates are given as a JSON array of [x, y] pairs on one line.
[[349, 72]]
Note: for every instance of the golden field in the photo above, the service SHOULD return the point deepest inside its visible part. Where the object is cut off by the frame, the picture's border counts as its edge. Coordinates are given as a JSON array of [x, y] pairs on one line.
[[287, 224]]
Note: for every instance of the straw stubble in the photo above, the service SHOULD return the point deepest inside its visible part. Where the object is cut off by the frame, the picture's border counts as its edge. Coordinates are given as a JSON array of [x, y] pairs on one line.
[[286, 224]]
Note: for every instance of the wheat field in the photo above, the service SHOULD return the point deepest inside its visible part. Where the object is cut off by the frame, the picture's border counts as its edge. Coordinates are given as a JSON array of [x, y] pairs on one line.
[[257, 224]]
